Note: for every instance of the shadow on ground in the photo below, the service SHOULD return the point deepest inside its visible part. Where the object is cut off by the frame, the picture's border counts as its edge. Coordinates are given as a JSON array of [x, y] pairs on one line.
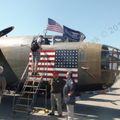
[[82, 112]]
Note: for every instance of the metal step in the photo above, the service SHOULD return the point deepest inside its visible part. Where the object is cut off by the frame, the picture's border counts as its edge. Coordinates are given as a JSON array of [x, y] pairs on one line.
[[21, 111], [23, 98], [22, 105], [42, 89], [30, 86], [30, 80], [29, 92]]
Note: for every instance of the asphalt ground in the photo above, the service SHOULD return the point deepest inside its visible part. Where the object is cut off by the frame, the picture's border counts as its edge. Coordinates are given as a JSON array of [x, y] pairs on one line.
[[91, 106]]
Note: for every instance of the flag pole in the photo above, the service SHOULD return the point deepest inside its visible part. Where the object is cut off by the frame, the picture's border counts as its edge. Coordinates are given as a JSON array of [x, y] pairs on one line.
[[45, 32]]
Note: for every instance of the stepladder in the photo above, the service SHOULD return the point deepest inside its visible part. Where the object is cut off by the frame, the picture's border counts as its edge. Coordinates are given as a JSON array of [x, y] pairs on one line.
[[24, 102]]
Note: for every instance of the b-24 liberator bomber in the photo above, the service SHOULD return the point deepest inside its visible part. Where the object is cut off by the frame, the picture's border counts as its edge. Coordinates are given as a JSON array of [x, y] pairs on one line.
[[95, 66]]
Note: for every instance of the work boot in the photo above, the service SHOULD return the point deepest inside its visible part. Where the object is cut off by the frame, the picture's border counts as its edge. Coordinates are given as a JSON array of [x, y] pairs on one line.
[[36, 73], [51, 113], [60, 115], [33, 73]]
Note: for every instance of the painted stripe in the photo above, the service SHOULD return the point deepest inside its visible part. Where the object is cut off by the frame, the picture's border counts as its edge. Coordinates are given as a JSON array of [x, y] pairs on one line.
[[57, 69], [44, 58], [43, 64]]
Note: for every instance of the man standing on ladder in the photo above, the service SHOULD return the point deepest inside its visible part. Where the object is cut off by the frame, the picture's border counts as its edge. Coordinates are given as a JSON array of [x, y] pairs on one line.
[[36, 48]]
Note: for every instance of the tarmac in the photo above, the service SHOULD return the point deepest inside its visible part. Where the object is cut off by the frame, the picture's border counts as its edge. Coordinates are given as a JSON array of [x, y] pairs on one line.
[[90, 106]]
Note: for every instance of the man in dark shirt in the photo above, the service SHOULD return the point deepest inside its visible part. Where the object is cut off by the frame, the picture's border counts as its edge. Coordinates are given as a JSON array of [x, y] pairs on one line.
[[56, 88], [69, 95]]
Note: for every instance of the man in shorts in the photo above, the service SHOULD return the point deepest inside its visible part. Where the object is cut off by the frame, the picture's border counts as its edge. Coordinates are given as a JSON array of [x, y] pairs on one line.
[[35, 48]]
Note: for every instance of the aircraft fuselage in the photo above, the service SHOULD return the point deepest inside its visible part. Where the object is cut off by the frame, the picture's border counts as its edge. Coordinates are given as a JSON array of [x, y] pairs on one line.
[[15, 51]]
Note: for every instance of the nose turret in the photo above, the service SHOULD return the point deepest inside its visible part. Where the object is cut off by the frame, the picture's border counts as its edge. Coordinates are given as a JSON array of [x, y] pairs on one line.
[[110, 64]]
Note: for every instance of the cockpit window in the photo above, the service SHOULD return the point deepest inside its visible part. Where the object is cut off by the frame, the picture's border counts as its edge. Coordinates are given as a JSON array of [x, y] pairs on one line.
[[110, 58], [105, 57]]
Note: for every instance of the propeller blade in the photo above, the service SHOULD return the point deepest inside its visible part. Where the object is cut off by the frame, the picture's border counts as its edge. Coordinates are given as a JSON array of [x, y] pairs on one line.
[[6, 31]]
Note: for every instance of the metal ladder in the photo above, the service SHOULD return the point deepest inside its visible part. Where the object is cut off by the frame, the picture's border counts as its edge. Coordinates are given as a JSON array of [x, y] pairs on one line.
[[25, 101]]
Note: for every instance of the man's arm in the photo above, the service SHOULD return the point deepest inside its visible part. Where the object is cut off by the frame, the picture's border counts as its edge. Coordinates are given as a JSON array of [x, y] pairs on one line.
[[72, 89]]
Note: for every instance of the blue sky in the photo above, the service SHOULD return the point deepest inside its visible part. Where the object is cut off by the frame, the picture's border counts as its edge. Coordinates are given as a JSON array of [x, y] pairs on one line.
[[99, 20]]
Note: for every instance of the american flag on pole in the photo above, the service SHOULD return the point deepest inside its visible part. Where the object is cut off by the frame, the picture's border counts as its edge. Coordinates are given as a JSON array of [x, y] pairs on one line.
[[54, 26], [56, 60]]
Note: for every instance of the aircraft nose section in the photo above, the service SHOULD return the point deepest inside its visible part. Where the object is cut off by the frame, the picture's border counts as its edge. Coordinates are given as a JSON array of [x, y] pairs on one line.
[[110, 64]]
